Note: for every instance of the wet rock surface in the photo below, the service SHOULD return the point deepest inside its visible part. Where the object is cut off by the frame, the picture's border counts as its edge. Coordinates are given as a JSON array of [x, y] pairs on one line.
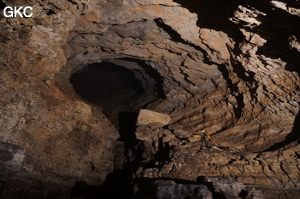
[[229, 69]]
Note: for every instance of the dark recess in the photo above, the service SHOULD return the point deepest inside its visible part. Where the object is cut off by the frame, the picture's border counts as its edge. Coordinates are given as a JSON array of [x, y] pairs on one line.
[[234, 88], [152, 73], [114, 88], [119, 88], [111, 86], [98, 82], [277, 26], [2, 5], [215, 15], [50, 12], [118, 184]]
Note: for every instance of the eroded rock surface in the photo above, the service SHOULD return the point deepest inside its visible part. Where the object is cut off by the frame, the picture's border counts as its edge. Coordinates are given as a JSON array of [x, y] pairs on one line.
[[211, 187], [230, 69]]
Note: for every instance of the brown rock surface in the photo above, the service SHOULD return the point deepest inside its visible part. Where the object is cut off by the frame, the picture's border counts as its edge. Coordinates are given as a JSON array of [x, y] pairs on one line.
[[228, 68], [151, 117]]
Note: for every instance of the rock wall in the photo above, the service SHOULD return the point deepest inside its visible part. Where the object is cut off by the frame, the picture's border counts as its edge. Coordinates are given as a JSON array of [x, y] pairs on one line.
[[230, 69], [62, 139]]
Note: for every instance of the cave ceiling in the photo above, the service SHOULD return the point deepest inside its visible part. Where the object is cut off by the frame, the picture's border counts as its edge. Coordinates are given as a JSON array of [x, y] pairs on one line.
[[76, 72]]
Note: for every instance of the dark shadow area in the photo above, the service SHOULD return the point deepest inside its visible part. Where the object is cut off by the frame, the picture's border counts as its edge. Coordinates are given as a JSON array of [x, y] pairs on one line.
[[127, 122], [294, 135], [162, 157], [164, 153], [2, 184], [277, 27], [122, 90], [2, 5], [234, 89], [50, 12], [118, 184], [243, 194], [146, 188], [215, 15], [177, 38], [153, 74], [292, 3], [119, 88], [82, 190], [100, 82]]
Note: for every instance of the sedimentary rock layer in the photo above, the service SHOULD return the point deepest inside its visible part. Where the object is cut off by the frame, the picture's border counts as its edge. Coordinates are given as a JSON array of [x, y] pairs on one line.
[[230, 69]]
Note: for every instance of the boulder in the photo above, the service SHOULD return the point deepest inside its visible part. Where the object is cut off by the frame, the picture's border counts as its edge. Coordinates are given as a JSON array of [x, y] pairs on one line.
[[151, 117]]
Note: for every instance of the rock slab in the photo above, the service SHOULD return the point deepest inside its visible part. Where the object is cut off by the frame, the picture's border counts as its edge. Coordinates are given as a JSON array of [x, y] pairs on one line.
[[150, 117]]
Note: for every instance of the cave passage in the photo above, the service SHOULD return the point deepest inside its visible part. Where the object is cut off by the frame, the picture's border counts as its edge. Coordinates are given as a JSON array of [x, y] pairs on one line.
[[121, 87], [100, 82], [118, 86]]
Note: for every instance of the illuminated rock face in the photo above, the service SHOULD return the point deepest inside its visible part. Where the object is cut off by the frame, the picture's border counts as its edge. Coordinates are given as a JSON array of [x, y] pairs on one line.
[[229, 69]]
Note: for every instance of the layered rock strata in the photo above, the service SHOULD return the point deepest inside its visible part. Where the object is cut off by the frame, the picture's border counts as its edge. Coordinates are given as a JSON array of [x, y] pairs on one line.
[[230, 69]]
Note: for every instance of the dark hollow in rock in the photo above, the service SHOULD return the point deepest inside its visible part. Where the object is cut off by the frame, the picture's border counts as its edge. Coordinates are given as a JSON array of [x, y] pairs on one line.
[[123, 85], [100, 82]]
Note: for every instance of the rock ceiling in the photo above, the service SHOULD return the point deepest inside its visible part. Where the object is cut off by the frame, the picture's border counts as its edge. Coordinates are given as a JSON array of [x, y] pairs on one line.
[[74, 76]]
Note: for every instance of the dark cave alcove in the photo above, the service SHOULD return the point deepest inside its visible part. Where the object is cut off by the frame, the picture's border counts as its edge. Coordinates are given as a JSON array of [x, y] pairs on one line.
[[120, 85]]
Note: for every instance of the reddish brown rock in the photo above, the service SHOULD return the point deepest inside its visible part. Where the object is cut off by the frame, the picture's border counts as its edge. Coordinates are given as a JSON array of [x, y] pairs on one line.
[[230, 69]]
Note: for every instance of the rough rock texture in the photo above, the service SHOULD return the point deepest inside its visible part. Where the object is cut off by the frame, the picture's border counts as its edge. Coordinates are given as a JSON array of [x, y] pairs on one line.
[[62, 138], [229, 68], [211, 187], [150, 117], [169, 189]]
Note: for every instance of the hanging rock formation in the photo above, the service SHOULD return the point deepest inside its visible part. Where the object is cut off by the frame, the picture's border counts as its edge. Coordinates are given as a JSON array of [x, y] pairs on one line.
[[79, 71]]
